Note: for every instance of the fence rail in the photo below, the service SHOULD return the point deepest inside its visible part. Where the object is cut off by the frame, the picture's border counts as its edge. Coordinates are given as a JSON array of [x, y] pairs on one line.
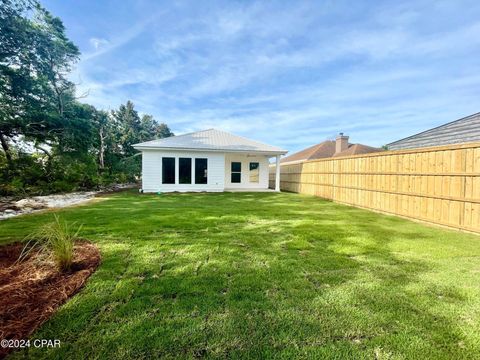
[[440, 185]]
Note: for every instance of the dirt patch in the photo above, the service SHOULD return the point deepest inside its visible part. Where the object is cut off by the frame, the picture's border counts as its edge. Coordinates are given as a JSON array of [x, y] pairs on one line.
[[32, 290]]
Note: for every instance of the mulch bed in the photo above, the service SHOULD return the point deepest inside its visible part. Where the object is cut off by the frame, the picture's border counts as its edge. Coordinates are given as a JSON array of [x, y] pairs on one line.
[[31, 290]]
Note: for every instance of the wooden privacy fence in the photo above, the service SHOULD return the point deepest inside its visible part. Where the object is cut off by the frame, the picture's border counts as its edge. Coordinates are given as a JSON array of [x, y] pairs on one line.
[[439, 185]]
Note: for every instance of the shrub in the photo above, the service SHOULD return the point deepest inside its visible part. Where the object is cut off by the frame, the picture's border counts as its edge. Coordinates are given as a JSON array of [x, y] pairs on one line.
[[61, 186], [57, 239], [74, 172]]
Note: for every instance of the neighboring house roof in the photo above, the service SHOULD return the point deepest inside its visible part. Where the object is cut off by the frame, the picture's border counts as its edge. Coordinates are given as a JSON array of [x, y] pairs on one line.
[[463, 130], [326, 149], [210, 140], [357, 149]]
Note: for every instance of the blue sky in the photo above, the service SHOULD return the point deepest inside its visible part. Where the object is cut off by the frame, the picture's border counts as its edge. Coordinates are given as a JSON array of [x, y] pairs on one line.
[[287, 73]]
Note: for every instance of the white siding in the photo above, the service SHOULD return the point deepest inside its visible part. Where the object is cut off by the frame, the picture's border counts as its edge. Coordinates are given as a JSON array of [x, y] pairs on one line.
[[152, 171], [245, 178]]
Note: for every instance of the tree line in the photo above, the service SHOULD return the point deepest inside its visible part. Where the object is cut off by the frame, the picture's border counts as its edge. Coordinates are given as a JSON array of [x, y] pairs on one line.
[[50, 141]]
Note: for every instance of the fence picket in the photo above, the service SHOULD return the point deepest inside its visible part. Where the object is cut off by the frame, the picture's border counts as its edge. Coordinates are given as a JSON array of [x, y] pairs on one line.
[[440, 185]]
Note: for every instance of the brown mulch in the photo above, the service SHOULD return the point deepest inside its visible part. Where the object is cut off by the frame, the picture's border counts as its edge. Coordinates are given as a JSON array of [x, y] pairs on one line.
[[31, 290]]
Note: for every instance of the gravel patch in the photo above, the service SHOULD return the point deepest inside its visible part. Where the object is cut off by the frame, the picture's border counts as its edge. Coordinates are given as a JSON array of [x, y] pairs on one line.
[[10, 208]]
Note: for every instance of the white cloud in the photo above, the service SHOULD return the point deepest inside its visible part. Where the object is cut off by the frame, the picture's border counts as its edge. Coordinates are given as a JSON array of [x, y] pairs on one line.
[[121, 39], [296, 75], [98, 43]]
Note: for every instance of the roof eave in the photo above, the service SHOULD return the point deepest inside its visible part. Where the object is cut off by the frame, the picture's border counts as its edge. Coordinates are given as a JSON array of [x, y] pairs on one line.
[[260, 152]]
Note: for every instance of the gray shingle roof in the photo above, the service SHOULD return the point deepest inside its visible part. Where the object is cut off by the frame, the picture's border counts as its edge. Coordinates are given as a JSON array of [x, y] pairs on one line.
[[211, 140], [463, 130]]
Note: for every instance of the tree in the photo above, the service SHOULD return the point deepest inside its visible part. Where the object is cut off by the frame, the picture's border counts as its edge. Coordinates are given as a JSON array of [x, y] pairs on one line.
[[151, 129], [75, 145], [57, 54], [35, 56], [129, 127], [133, 129], [16, 83], [104, 130]]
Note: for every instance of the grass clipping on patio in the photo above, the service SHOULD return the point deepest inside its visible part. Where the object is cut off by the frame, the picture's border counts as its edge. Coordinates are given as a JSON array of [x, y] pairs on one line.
[[35, 279]]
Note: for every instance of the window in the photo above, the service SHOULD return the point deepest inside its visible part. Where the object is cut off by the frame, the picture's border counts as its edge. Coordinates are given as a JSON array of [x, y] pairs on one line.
[[201, 171], [185, 171], [254, 172], [168, 170], [236, 171]]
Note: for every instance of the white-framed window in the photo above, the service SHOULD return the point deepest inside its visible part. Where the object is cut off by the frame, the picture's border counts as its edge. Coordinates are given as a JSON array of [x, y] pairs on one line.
[[184, 170], [201, 171], [168, 170], [236, 172]]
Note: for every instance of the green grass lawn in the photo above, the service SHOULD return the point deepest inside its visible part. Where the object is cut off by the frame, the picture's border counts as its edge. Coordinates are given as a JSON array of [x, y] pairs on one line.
[[263, 275]]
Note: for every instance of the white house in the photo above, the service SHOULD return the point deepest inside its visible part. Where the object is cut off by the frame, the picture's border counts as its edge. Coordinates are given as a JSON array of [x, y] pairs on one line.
[[209, 160]]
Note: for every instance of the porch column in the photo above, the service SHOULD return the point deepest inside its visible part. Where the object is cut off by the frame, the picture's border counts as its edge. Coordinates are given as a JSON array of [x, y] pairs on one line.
[[277, 174]]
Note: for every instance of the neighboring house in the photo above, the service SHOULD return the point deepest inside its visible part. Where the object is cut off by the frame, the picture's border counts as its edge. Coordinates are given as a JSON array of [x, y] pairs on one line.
[[463, 130], [209, 160], [330, 148]]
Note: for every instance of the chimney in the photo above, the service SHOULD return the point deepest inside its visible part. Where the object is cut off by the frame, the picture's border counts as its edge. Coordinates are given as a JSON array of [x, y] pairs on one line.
[[341, 143]]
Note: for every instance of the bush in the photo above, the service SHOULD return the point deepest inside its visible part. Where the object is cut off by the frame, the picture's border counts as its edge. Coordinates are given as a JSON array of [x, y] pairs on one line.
[[74, 172], [29, 174], [22, 176], [56, 239], [61, 186]]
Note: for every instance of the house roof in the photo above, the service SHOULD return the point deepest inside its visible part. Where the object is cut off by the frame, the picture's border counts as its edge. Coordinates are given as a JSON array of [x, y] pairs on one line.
[[326, 149], [466, 129], [211, 140], [357, 149], [323, 150]]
